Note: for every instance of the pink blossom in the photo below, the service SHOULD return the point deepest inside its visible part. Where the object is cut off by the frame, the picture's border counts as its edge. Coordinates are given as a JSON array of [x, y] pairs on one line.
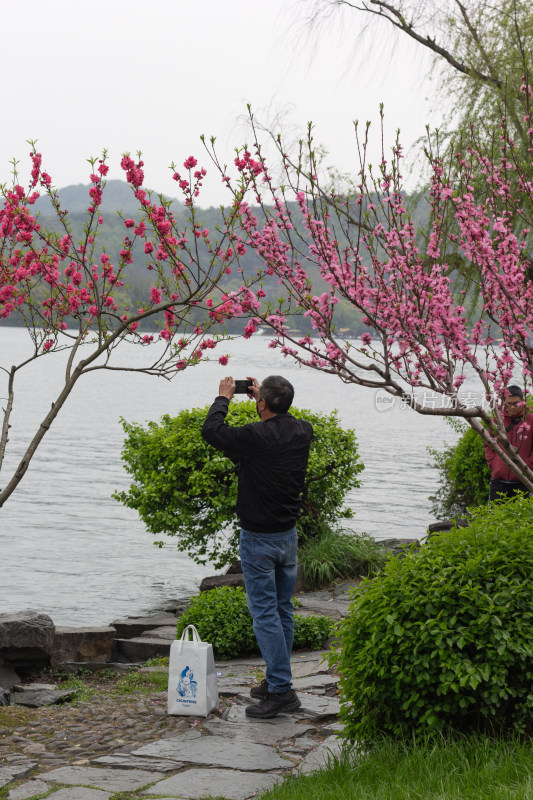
[[223, 360]]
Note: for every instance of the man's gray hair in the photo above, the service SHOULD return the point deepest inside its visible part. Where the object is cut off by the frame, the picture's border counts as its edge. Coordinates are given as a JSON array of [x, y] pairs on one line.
[[277, 392]]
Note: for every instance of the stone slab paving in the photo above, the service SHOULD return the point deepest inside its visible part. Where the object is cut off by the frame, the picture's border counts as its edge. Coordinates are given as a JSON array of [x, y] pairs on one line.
[[333, 607], [320, 756], [216, 751], [322, 682], [197, 783], [333, 728], [227, 687], [308, 666], [79, 793], [114, 780], [343, 590], [8, 774], [301, 745], [127, 761], [227, 755], [268, 732], [317, 707], [28, 789]]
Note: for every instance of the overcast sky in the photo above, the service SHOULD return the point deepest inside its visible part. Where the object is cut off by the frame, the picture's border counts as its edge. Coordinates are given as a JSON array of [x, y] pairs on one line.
[[80, 76]]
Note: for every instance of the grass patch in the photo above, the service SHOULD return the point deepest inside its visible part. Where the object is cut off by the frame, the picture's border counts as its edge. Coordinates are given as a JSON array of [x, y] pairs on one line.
[[142, 682], [12, 717], [474, 768], [84, 690], [158, 661], [135, 796], [336, 554]]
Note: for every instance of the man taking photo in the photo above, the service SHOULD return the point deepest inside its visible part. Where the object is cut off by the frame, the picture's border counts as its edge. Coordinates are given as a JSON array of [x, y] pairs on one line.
[[272, 460]]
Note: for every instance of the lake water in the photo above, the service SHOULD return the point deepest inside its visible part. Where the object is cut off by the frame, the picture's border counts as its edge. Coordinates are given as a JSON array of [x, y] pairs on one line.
[[68, 549]]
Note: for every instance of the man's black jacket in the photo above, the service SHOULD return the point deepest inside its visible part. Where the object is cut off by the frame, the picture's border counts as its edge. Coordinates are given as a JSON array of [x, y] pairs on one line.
[[272, 457]]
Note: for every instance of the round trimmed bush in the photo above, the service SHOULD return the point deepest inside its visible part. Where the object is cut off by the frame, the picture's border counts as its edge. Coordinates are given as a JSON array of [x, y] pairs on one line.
[[442, 639], [184, 487], [221, 617]]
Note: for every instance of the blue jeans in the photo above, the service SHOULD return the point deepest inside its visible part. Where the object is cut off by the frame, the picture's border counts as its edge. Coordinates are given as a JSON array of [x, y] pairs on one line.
[[269, 565]]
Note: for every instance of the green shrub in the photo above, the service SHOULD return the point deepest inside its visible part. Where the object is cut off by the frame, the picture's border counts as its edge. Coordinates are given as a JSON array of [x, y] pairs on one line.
[[311, 632], [339, 554], [221, 618], [442, 639], [464, 473], [183, 487]]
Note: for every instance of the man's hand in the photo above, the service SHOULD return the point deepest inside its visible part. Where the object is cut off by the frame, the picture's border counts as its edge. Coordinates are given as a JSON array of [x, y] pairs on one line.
[[253, 391], [226, 387]]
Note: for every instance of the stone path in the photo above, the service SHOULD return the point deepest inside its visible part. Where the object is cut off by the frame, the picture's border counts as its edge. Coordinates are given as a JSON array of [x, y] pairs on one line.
[[96, 749]]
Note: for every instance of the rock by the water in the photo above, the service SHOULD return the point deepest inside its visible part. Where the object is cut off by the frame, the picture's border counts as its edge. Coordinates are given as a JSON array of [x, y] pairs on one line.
[[166, 632], [447, 525], [26, 639], [135, 626], [82, 644], [141, 648], [216, 581], [399, 546]]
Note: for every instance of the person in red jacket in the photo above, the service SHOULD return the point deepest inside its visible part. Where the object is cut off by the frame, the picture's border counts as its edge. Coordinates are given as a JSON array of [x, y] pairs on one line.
[[519, 427]]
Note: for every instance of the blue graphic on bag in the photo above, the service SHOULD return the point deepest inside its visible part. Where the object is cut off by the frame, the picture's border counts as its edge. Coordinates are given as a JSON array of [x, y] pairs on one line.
[[187, 686]]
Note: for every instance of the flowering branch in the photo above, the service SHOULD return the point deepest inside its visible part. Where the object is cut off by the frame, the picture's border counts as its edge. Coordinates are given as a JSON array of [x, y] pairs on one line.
[[362, 249], [69, 297]]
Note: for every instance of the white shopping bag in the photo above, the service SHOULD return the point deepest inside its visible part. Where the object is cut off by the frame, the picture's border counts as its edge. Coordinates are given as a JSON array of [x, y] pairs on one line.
[[192, 680]]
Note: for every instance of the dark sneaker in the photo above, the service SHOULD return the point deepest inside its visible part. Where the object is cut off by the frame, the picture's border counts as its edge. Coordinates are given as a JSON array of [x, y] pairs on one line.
[[274, 704], [261, 691]]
